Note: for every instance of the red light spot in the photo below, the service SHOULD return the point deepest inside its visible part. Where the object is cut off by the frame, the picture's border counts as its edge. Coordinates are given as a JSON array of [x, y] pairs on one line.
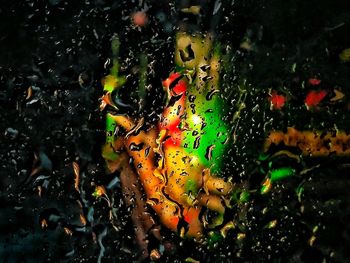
[[172, 114], [277, 101], [314, 97], [190, 215], [175, 134], [170, 79], [314, 81], [139, 18], [174, 222], [180, 88]]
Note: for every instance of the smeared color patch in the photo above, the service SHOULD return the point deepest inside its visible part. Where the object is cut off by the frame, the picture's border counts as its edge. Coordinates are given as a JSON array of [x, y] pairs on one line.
[[281, 173], [277, 101], [314, 81], [345, 55], [191, 186], [313, 98], [191, 214]]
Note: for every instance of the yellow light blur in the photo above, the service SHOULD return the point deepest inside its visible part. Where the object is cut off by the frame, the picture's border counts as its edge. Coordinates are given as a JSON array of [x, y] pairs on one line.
[[196, 119]]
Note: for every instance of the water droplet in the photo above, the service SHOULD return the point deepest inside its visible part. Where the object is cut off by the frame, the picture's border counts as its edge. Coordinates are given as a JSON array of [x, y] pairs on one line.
[[136, 147]]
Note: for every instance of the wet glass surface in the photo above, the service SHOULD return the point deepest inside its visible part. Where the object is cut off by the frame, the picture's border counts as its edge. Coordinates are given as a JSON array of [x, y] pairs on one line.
[[174, 131]]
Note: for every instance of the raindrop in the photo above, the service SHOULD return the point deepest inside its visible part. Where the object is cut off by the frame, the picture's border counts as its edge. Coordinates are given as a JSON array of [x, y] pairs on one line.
[[196, 142], [206, 78], [147, 151], [208, 153], [211, 94], [191, 98], [189, 55], [136, 147], [205, 67]]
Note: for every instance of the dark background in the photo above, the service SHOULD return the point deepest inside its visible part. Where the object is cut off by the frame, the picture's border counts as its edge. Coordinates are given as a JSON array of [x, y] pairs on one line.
[[48, 44]]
